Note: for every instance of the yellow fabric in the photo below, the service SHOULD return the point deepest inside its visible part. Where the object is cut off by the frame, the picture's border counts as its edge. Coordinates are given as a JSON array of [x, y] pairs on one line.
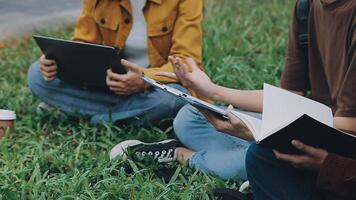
[[173, 28]]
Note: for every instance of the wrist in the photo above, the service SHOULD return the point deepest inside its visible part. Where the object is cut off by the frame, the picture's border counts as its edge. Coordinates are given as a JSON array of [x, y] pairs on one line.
[[215, 92]]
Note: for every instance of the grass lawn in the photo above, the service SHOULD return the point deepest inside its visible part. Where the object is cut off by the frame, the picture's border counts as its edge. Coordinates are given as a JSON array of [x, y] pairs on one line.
[[54, 157]]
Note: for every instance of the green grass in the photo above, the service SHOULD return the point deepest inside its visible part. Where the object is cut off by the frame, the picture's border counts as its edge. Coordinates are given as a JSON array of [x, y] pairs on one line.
[[54, 157]]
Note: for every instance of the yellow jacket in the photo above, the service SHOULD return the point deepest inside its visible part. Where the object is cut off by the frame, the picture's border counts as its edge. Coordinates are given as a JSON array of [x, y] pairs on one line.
[[173, 28]]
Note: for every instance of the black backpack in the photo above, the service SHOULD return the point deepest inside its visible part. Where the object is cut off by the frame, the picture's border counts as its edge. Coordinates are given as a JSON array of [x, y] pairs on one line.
[[302, 19]]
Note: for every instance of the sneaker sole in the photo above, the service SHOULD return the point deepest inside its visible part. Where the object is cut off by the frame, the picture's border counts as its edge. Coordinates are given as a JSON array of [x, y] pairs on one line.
[[119, 149]]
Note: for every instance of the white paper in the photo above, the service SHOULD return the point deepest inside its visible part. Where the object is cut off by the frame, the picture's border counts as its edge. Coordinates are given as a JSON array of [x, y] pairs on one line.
[[253, 124], [281, 107]]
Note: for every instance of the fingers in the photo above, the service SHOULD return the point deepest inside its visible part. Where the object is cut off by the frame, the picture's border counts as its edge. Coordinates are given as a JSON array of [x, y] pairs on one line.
[[297, 161], [117, 87], [177, 70], [48, 76], [173, 61], [48, 68], [176, 66], [179, 66], [230, 115], [131, 66], [114, 84], [192, 64], [211, 118], [116, 77], [47, 62], [216, 122], [305, 148], [311, 151], [184, 68], [229, 110], [167, 74], [235, 121], [293, 159]]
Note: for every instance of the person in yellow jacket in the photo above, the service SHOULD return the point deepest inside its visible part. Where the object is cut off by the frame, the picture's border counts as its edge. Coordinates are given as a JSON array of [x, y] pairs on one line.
[[147, 31]]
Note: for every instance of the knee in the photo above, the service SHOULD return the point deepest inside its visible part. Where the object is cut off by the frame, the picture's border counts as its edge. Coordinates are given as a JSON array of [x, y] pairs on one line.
[[227, 165], [233, 171], [34, 77], [182, 121], [252, 155], [256, 157], [168, 103]]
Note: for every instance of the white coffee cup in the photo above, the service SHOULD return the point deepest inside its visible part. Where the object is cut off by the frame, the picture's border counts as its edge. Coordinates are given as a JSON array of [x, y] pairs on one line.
[[7, 121]]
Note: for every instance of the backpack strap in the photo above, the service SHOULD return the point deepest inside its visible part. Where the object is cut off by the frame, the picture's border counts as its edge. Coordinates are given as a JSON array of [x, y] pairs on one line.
[[302, 19]]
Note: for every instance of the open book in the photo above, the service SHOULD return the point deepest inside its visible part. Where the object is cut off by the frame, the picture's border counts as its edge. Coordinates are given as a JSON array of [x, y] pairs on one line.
[[286, 116]]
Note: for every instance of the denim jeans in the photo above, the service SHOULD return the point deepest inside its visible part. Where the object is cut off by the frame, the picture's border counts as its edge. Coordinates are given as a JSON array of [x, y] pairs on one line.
[[215, 152], [274, 179], [141, 109]]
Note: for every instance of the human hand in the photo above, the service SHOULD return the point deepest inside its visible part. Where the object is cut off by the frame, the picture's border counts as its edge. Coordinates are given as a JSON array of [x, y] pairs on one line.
[[233, 126], [126, 84], [48, 68], [313, 158], [196, 79]]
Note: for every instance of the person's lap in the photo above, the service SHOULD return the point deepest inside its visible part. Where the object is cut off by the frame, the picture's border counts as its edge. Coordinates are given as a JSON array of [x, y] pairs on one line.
[[274, 179], [214, 152], [146, 108]]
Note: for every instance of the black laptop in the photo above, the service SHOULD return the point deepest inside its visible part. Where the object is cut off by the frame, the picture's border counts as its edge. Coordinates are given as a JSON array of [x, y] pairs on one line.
[[80, 63]]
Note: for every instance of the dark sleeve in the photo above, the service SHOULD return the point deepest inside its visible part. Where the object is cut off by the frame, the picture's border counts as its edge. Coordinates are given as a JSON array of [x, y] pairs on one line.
[[346, 100], [295, 76], [338, 176]]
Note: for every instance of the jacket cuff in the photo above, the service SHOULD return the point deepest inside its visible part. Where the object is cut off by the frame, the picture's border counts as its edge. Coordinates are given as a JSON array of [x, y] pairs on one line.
[[331, 172], [150, 73]]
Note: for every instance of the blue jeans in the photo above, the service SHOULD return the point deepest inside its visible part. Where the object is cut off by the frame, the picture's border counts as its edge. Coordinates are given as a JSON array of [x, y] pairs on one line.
[[215, 153], [274, 179], [141, 109]]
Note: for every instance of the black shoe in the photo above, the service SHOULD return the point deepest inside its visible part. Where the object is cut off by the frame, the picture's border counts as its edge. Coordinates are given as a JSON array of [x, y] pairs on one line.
[[229, 194], [164, 151]]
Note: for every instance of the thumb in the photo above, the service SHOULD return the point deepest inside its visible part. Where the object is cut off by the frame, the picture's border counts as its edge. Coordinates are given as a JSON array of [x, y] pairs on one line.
[[229, 109], [229, 113], [131, 66]]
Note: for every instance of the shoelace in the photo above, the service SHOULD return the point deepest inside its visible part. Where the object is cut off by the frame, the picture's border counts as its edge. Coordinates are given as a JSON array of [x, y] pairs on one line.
[[162, 156]]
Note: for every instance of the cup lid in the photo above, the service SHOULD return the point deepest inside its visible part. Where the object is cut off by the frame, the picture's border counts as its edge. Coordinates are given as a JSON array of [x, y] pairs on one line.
[[7, 115]]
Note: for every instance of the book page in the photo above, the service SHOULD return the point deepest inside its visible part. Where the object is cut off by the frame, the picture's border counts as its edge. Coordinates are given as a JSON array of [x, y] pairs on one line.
[[281, 107], [252, 123]]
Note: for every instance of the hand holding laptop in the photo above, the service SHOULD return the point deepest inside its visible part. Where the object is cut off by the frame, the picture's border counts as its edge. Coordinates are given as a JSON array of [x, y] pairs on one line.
[[200, 82], [79, 63], [126, 84], [48, 68], [121, 84], [233, 125]]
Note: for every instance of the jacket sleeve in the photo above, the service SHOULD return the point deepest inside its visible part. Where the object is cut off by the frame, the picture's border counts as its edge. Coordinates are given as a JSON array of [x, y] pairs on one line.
[[346, 100], [86, 29], [186, 39], [295, 75], [338, 176]]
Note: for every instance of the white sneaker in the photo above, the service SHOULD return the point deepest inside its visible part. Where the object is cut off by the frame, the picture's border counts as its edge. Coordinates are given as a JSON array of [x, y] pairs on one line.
[[164, 151], [245, 187]]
